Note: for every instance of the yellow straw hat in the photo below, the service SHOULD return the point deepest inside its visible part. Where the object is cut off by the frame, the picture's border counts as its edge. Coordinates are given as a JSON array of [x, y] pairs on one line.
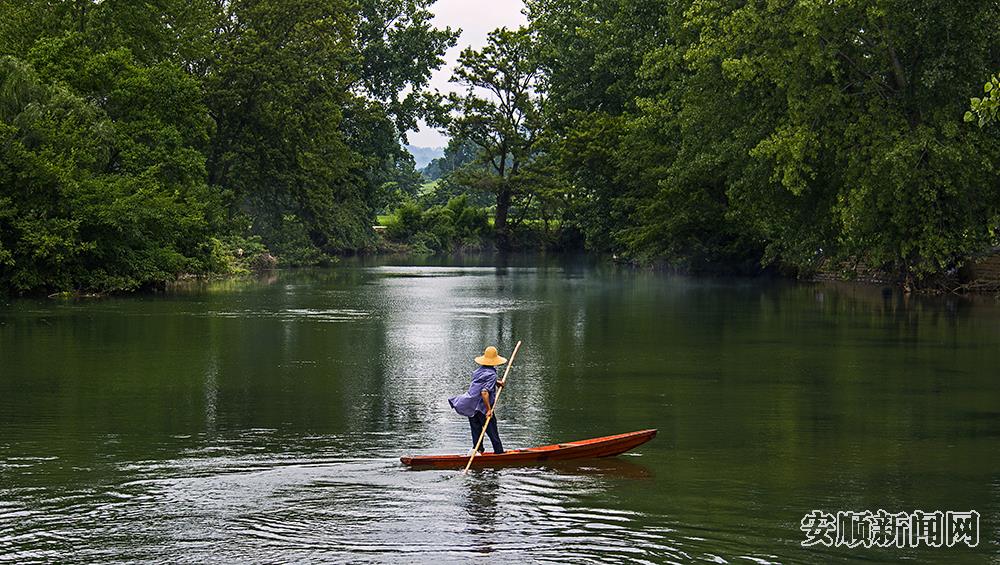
[[490, 357]]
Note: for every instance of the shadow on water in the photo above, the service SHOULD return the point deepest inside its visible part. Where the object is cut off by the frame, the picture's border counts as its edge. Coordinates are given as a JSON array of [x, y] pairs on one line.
[[482, 491], [609, 468]]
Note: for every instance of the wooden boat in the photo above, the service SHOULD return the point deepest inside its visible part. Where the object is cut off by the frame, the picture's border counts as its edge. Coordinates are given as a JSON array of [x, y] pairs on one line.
[[607, 446]]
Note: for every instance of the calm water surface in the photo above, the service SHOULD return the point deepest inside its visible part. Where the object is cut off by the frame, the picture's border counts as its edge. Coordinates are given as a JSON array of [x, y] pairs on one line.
[[263, 420]]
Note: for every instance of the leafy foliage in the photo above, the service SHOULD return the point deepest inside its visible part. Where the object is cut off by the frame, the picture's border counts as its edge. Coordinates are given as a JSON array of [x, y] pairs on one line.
[[148, 139], [439, 228], [142, 140], [985, 110], [729, 134], [500, 113], [277, 98], [88, 203]]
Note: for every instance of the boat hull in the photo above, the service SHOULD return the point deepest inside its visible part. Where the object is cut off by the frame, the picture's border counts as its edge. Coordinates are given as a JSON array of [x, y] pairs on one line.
[[607, 446]]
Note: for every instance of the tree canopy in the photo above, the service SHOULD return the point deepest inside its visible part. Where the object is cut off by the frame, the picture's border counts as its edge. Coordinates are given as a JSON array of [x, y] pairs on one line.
[[146, 140], [731, 133], [500, 113]]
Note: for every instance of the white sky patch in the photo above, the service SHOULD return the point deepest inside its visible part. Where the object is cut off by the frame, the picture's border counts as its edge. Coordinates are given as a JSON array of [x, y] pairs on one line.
[[476, 18]]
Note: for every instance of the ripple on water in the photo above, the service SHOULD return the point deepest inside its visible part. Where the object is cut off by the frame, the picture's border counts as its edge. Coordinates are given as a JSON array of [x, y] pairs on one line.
[[294, 314], [335, 497], [214, 506]]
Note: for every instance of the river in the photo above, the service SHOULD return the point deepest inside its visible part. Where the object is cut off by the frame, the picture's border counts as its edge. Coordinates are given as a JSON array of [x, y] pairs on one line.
[[262, 420]]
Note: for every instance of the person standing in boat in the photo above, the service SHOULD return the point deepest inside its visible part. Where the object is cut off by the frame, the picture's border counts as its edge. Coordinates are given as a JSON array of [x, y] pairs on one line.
[[477, 403]]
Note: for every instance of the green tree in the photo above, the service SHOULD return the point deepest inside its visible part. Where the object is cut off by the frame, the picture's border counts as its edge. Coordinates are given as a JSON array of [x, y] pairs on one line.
[[592, 54], [398, 47], [500, 112], [856, 145], [109, 148], [776, 133], [288, 114], [90, 202], [277, 95], [311, 101]]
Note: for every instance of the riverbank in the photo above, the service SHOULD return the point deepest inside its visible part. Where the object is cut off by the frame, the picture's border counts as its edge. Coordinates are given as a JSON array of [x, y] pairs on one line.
[[978, 275], [981, 276]]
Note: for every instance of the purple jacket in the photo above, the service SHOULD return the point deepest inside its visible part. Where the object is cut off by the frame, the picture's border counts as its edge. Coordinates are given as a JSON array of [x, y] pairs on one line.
[[483, 378]]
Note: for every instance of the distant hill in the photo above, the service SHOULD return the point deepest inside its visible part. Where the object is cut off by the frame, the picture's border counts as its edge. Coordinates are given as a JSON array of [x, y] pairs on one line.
[[424, 155]]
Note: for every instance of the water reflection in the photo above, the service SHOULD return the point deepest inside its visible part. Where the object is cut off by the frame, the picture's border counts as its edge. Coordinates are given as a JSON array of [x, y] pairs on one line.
[[262, 420], [482, 498]]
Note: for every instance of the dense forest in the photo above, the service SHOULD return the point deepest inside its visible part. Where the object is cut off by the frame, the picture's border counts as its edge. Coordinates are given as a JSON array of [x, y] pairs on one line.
[[143, 141]]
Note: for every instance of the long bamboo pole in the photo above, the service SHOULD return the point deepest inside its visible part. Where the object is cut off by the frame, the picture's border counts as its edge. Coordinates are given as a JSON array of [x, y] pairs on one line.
[[475, 450]]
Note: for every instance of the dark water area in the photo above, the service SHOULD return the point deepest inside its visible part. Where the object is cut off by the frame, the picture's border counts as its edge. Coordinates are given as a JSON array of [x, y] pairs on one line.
[[263, 420]]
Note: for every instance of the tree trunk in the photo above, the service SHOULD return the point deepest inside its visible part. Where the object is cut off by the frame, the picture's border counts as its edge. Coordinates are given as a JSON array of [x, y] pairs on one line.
[[81, 10], [500, 221]]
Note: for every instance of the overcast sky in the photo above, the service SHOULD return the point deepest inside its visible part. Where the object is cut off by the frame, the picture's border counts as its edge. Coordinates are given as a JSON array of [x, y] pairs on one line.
[[475, 18]]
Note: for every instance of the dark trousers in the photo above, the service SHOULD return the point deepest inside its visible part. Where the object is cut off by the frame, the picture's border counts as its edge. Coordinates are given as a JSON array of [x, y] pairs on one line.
[[476, 422]]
